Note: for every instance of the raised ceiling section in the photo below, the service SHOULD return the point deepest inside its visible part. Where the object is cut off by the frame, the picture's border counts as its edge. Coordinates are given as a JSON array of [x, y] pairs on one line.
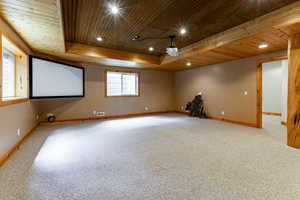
[[38, 22], [242, 41], [157, 18], [246, 47]]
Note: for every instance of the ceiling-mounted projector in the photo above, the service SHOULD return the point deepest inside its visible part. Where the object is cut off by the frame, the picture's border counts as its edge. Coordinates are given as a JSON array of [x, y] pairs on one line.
[[171, 51]]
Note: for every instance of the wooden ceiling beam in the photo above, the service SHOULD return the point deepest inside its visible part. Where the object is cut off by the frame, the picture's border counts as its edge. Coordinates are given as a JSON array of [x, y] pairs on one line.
[[278, 19], [105, 53]]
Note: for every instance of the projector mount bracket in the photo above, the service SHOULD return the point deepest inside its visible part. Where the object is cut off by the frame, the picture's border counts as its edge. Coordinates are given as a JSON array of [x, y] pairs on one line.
[[139, 39]]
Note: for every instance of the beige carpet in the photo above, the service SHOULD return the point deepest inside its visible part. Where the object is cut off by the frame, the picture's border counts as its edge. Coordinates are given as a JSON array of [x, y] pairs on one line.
[[163, 157], [273, 127]]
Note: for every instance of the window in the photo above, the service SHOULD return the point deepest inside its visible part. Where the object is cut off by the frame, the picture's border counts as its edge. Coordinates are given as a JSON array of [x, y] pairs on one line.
[[14, 73], [120, 84], [8, 72]]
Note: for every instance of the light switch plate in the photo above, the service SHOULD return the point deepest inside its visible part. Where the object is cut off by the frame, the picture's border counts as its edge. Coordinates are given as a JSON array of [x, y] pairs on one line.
[[18, 132]]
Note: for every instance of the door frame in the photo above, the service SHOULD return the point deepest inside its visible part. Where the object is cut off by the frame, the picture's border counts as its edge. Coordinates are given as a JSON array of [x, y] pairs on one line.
[[259, 97]]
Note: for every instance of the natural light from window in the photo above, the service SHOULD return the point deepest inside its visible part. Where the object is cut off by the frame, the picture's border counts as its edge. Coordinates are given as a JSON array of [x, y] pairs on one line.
[[8, 78], [122, 83], [14, 73]]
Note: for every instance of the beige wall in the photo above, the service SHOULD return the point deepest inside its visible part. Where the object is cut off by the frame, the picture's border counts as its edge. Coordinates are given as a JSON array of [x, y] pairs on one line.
[[156, 93], [12, 117], [18, 116], [223, 87]]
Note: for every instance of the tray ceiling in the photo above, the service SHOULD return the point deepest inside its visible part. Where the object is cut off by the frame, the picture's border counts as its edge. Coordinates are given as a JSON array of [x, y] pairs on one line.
[[218, 30], [84, 22]]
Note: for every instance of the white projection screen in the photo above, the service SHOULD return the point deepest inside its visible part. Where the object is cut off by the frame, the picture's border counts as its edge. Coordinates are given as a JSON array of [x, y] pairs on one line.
[[49, 79]]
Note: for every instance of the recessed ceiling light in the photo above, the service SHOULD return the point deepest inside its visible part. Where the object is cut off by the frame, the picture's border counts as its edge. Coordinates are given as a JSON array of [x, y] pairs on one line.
[[100, 39], [183, 31], [151, 49], [263, 46], [114, 9], [188, 64]]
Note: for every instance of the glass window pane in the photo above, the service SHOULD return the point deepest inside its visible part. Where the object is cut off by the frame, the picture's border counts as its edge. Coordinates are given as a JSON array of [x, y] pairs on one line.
[[129, 84], [122, 84], [114, 82], [8, 76]]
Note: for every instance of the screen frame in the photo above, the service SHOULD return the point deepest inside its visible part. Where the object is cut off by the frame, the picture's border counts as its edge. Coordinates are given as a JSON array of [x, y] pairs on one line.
[[52, 97]]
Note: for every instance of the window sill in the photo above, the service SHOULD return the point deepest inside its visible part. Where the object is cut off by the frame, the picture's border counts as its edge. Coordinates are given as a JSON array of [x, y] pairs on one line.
[[122, 96], [12, 100]]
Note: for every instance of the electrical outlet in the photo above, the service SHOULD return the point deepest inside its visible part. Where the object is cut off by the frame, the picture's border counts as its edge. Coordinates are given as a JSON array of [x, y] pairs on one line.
[[146, 108], [37, 117], [94, 112], [182, 107], [100, 114], [222, 113], [18, 132]]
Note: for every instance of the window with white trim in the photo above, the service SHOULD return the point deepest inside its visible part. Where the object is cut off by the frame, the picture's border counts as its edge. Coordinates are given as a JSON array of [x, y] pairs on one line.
[[120, 84]]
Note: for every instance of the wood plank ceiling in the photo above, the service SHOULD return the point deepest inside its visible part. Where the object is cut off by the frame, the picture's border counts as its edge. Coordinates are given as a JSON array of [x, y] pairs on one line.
[[157, 18], [38, 22], [246, 47]]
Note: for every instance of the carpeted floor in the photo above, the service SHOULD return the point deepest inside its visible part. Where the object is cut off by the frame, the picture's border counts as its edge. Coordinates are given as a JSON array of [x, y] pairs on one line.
[[164, 157], [273, 128]]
